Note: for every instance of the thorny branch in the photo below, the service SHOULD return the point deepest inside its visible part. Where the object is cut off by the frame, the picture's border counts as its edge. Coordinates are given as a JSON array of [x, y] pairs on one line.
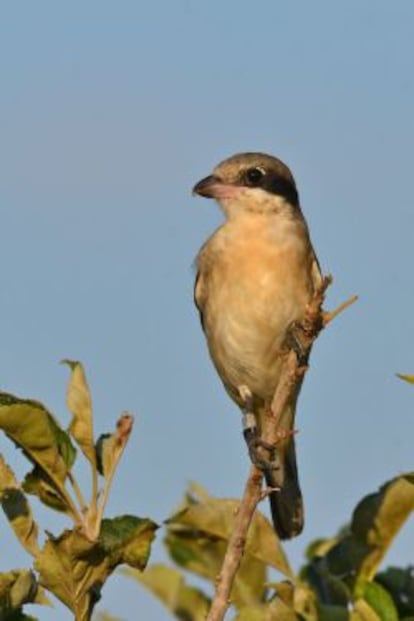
[[292, 374]]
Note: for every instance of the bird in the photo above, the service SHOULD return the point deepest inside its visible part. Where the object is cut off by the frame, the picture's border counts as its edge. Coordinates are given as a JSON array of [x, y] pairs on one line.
[[255, 276]]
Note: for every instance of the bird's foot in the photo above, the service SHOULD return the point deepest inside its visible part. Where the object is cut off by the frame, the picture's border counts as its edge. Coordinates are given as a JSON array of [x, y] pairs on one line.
[[294, 339], [284, 434], [262, 454]]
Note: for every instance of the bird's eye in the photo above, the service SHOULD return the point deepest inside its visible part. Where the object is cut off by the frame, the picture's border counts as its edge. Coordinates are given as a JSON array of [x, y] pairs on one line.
[[254, 176]]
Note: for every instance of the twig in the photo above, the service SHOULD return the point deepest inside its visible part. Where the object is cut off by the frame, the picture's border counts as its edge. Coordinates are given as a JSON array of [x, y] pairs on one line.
[[291, 375], [251, 497], [328, 317], [78, 493], [93, 506], [235, 549], [115, 447]]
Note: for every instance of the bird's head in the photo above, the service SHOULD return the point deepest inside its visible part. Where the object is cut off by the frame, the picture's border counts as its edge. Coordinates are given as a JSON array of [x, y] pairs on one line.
[[251, 182]]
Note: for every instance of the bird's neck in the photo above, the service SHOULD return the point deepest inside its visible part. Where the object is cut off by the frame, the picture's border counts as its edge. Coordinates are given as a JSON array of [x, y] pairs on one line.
[[261, 204], [275, 229]]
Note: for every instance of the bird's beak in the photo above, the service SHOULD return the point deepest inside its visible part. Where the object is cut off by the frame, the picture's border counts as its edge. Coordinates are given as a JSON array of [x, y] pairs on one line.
[[207, 187]]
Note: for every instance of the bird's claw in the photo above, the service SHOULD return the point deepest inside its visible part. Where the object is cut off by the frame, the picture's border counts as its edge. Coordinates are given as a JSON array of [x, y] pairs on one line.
[[293, 340], [284, 434], [257, 449], [262, 454]]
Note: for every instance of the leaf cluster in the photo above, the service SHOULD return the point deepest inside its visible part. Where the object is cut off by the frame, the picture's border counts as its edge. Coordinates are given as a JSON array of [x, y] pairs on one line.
[[75, 564], [339, 582]]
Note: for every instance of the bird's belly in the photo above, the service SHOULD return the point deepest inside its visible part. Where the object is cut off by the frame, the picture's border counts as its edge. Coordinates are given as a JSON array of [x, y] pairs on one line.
[[246, 324]]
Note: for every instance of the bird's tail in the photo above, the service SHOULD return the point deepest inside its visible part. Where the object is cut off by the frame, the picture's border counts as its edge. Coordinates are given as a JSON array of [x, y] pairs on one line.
[[286, 504]]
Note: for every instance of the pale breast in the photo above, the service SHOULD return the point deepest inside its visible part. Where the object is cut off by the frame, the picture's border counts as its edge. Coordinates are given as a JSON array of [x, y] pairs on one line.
[[254, 286]]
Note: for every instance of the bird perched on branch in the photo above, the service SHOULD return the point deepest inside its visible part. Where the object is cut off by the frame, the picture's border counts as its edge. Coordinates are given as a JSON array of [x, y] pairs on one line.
[[255, 277]]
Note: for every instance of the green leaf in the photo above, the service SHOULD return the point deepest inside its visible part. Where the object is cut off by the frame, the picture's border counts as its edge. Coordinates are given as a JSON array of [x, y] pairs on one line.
[[346, 557], [319, 547], [363, 612], [355, 558], [45, 444], [216, 518], [127, 539], [252, 613], [333, 613], [196, 493], [400, 584], [17, 615], [197, 538], [38, 484], [168, 584], [380, 601], [17, 588], [406, 378], [65, 446], [284, 591], [379, 517], [273, 611], [305, 603], [17, 509], [75, 569], [70, 567], [203, 555], [331, 589], [79, 403]]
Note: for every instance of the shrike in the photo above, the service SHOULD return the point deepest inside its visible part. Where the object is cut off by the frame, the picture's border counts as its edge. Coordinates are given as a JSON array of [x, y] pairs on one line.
[[255, 276]]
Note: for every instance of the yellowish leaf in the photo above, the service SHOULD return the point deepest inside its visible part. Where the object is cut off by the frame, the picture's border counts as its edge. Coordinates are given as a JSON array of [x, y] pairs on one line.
[[29, 424], [379, 517], [17, 509], [168, 584], [17, 588], [79, 403], [216, 517], [110, 447], [74, 569], [406, 378], [363, 612]]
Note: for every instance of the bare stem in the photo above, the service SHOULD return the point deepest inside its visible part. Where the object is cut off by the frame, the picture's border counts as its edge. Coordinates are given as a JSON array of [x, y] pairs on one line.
[[72, 509], [104, 499], [93, 507], [66, 497], [236, 545], [78, 493], [116, 447], [291, 375], [328, 317]]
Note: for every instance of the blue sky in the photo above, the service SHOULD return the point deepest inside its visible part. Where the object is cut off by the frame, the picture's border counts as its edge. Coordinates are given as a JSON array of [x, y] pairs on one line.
[[109, 113]]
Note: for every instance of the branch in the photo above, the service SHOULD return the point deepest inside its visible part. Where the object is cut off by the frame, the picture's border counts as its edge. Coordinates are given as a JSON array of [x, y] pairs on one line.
[[112, 451], [328, 317], [235, 549], [291, 376]]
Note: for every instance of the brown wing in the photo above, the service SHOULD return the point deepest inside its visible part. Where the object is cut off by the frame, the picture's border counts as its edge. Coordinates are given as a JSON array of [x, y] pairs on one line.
[[199, 295], [317, 276]]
